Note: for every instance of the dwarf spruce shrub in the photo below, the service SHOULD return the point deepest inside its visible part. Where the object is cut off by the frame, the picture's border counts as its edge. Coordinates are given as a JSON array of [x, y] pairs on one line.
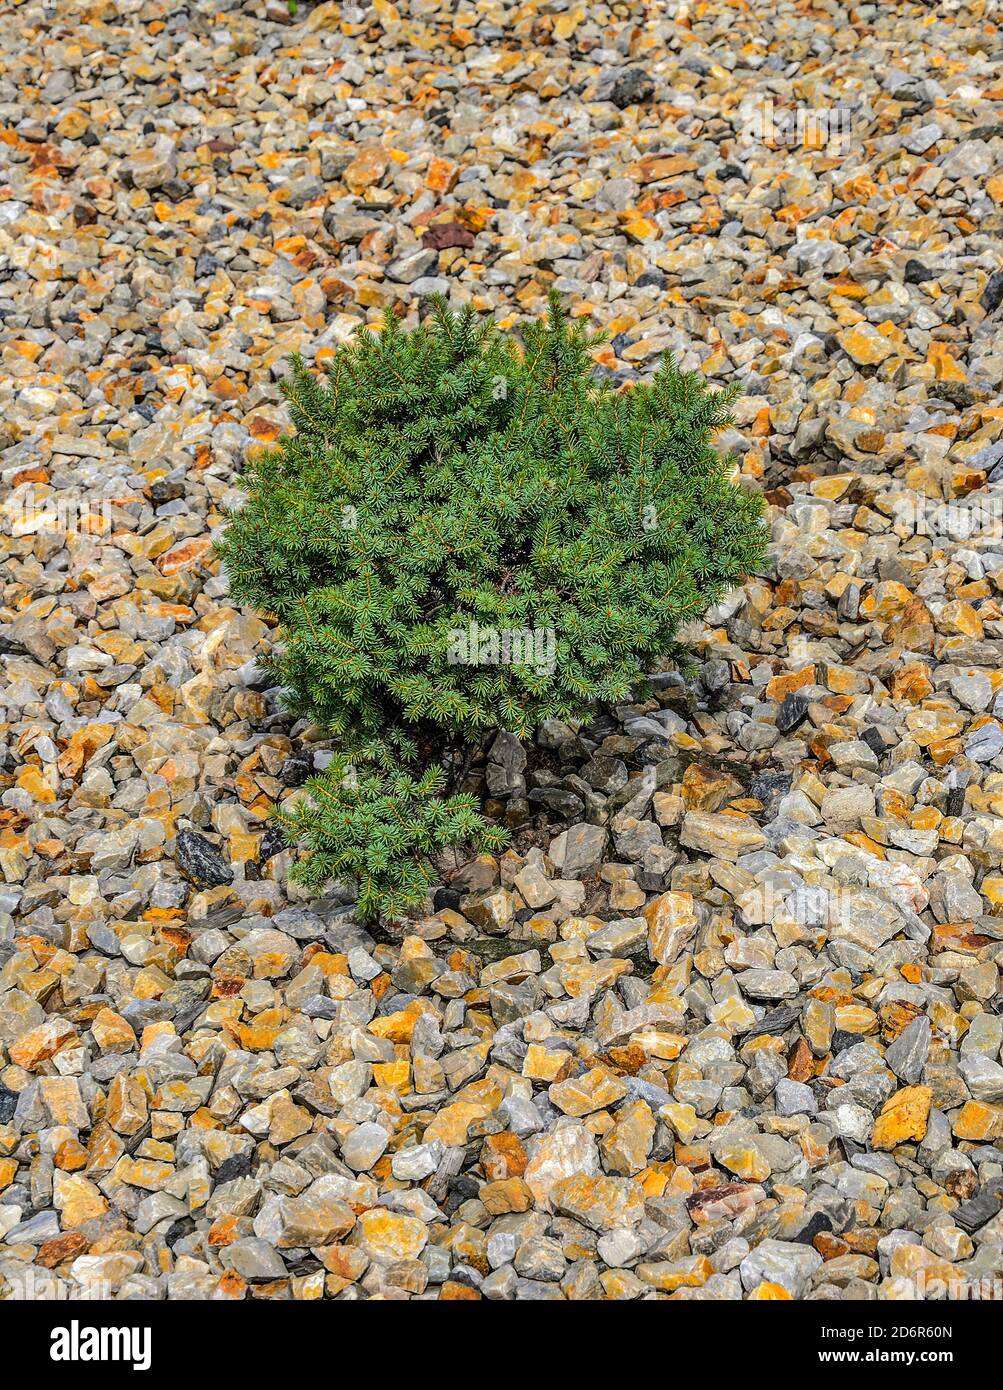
[[382, 830], [466, 533]]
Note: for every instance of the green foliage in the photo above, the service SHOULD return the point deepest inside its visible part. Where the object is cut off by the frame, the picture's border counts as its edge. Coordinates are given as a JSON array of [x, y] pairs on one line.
[[383, 831], [443, 484]]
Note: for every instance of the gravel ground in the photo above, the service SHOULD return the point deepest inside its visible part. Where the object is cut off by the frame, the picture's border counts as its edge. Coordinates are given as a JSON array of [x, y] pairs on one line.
[[725, 1024]]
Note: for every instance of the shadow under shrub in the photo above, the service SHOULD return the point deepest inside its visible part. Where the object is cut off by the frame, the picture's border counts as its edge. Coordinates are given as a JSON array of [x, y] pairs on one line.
[[466, 533]]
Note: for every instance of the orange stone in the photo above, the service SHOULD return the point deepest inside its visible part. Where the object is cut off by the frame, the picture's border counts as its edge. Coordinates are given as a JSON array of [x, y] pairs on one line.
[[708, 789], [503, 1156], [39, 1044], [184, 556], [913, 628], [781, 686], [54, 1252], [442, 175], [453, 1292], [366, 169], [800, 1063]]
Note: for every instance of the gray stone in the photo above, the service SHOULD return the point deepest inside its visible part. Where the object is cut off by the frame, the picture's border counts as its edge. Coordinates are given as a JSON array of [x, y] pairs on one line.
[[908, 1053]]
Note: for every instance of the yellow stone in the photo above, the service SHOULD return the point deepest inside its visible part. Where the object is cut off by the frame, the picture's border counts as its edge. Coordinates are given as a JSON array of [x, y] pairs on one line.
[[566, 24], [903, 1117], [112, 1032], [287, 1120], [886, 600], [543, 1064], [73, 125], [691, 1273], [734, 1013], [581, 1095], [393, 1076], [76, 1199], [367, 168], [127, 1108], [398, 1027], [855, 1018], [683, 1121], [659, 1042], [506, 1195], [31, 780], [387, 1235], [62, 1099], [587, 187], [744, 1160], [146, 1173], [978, 1120], [945, 365], [992, 888], [601, 1203], [452, 1124], [960, 619], [672, 923], [907, 1261], [388, 15], [474, 1102], [640, 229], [832, 488], [619, 1285], [865, 345]]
